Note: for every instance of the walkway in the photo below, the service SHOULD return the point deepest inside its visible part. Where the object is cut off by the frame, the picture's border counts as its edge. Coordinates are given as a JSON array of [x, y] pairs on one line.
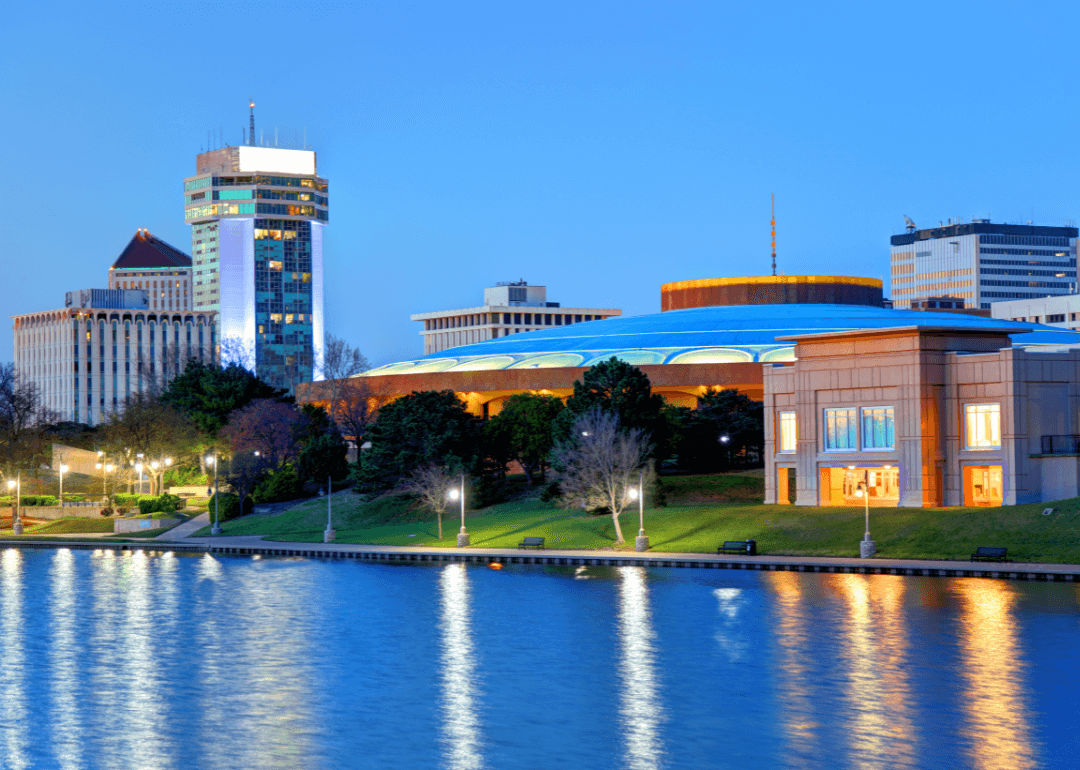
[[181, 531], [253, 545]]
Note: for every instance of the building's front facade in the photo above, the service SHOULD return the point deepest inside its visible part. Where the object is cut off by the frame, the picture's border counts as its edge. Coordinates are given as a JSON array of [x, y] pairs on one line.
[[981, 262], [1063, 311], [509, 308], [922, 416], [257, 216], [151, 265], [87, 361]]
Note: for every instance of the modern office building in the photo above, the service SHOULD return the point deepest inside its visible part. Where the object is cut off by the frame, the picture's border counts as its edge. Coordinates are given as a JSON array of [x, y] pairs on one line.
[[87, 360], [1061, 311], [151, 265], [257, 217], [980, 262], [926, 412], [509, 308]]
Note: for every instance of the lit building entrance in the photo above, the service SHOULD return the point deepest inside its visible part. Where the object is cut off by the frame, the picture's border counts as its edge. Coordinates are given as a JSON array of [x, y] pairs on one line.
[[840, 485], [982, 485]]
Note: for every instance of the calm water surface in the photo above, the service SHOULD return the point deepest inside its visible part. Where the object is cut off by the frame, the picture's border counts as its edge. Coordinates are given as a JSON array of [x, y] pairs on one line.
[[135, 660]]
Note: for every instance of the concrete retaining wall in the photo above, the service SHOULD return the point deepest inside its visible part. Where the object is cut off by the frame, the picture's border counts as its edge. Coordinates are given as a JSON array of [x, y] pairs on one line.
[[137, 525]]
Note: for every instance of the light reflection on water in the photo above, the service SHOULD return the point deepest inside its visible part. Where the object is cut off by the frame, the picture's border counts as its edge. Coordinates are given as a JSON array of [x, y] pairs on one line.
[[142, 660], [640, 708], [460, 724], [13, 658], [997, 711]]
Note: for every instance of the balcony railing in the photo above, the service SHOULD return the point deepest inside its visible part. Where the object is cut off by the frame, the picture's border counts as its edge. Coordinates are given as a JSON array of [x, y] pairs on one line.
[[1061, 445]]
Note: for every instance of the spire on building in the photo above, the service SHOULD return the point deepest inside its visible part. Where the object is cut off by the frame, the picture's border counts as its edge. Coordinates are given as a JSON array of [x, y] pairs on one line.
[[251, 122], [772, 224]]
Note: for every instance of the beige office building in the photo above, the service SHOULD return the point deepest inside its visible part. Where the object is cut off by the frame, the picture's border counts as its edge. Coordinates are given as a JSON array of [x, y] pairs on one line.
[[151, 265], [508, 308], [1063, 311], [87, 361], [922, 416]]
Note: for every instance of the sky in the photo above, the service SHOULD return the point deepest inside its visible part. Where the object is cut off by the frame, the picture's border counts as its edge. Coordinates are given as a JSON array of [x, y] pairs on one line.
[[598, 148]]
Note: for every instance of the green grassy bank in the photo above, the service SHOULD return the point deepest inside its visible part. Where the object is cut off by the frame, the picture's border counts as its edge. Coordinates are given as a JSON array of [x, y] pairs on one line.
[[702, 511]]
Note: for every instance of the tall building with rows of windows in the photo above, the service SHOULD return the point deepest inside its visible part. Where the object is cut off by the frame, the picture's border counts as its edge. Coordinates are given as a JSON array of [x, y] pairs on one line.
[[980, 262], [104, 347], [151, 265], [257, 217], [508, 308]]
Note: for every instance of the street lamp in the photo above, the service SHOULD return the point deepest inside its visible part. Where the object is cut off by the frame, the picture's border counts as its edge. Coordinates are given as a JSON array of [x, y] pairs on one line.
[[329, 534], [216, 529], [106, 469], [458, 493], [16, 485], [138, 469], [641, 542], [63, 469], [867, 547]]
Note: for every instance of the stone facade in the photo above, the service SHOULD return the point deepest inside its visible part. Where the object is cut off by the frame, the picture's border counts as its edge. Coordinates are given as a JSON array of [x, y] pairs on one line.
[[971, 420]]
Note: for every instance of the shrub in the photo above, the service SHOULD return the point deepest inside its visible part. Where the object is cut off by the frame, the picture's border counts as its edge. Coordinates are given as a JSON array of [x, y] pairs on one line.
[[185, 477], [230, 506], [106, 511], [276, 486], [165, 503]]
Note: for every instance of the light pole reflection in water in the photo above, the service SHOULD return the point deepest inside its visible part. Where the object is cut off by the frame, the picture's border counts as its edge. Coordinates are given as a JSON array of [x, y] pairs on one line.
[[64, 651], [880, 728], [640, 710], [798, 706], [461, 726], [14, 731], [995, 708]]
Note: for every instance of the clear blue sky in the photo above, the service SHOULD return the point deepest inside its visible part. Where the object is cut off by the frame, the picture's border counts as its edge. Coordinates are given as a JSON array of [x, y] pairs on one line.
[[600, 148]]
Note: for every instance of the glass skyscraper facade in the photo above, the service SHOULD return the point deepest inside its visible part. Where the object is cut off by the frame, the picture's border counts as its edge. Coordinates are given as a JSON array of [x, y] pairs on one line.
[[257, 216]]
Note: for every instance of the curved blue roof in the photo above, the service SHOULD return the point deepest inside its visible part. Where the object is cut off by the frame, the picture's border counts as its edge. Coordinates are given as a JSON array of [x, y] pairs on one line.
[[721, 334]]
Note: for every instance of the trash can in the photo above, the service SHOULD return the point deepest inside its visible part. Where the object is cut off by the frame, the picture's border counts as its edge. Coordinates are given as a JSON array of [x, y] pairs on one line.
[[751, 547]]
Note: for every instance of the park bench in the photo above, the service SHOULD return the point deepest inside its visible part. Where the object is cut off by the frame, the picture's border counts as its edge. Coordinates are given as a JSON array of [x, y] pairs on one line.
[[748, 547], [531, 542], [989, 553]]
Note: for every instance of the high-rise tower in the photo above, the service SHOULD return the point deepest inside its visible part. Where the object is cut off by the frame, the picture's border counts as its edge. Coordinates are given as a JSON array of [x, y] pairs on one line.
[[257, 216]]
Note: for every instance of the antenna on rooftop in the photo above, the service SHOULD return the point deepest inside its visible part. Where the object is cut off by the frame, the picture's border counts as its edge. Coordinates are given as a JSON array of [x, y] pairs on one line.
[[251, 122], [772, 224], [908, 223]]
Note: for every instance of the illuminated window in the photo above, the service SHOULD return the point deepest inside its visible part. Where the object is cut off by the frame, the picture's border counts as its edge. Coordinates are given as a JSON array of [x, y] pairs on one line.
[[840, 430], [982, 426], [878, 427], [787, 432]]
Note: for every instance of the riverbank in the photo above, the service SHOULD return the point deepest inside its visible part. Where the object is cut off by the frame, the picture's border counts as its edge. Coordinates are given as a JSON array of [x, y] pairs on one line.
[[257, 548], [703, 511]]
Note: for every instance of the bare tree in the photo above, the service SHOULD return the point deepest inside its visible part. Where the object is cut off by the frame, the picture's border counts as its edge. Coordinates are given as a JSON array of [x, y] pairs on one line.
[[359, 405], [432, 484], [23, 417], [337, 363], [600, 462], [267, 426], [233, 350], [146, 427]]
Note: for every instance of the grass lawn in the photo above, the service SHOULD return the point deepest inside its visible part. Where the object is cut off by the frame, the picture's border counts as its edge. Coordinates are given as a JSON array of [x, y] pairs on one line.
[[71, 526], [702, 512]]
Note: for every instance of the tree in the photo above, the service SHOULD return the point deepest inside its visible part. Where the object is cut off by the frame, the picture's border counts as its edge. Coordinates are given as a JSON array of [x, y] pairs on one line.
[[623, 390], [726, 424], [208, 393], [244, 471], [324, 457], [273, 428], [337, 363], [419, 429], [431, 484], [359, 404], [149, 427], [23, 418], [599, 462], [525, 427]]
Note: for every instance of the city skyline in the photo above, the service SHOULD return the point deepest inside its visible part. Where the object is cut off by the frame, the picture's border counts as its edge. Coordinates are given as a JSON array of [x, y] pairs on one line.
[[600, 151]]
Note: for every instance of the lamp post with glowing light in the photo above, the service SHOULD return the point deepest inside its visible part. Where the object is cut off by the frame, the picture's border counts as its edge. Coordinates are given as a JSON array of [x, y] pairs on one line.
[[106, 469], [867, 547], [329, 534], [63, 469], [216, 529], [458, 493], [16, 485], [641, 542]]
